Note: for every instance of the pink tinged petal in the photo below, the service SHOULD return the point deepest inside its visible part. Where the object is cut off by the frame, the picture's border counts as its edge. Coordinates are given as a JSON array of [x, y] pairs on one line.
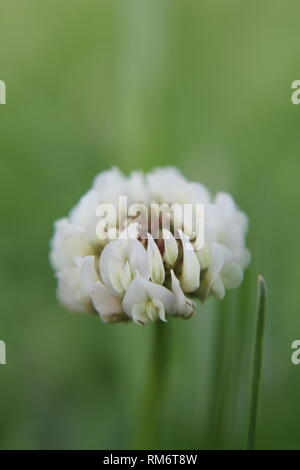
[[183, 305], [157, 270], [108, 305], [190, 275]]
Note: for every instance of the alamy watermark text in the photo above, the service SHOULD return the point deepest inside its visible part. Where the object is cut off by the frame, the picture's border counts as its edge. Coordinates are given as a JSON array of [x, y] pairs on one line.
[[2, 92], [2, 352]]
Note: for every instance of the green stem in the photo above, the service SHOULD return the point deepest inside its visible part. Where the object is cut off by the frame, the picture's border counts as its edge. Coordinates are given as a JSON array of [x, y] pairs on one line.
[[154, 387], [257, 361]]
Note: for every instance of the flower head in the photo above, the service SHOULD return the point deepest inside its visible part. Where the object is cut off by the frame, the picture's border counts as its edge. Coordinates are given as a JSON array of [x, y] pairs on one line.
[[140, 263]]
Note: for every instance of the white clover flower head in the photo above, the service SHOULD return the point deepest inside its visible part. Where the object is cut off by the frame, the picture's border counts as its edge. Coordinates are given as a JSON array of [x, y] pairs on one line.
[[140, 263]]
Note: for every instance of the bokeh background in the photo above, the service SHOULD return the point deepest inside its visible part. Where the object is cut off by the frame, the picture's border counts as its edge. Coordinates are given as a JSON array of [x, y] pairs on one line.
[[203, 85]]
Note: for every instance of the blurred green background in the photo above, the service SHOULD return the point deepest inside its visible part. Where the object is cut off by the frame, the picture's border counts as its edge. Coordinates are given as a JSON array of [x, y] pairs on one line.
[[203, 85]]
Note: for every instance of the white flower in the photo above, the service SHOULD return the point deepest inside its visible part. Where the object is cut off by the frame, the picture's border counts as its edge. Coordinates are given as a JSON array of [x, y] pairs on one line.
[[144, 275]]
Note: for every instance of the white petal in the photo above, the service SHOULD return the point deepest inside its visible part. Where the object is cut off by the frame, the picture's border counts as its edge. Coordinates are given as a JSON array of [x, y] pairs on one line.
[[86, 206], [160, 309], [171, 247], [245, 258], [225, 203], [109, 185], [167, 185], [137, 188], [190, 276], [114, 257], [138, 258], [232, 275], [218, 288], [230, 227], [136, 293], [88, 273], [96, 231], [142, 290], [157, 270], [106, 303], [70, 293], [156, 291], [199, 193], [115, 269], [203, 256], [68, 242], [183, 305], [139, 314], [219, 256], [131, 231], [126, 276]]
